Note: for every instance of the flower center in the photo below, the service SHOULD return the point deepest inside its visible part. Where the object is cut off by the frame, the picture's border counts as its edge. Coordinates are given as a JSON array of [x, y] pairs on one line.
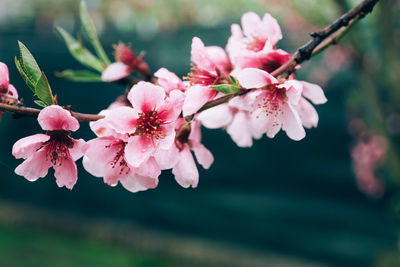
[[57, 147], [149, 125], [272, 100], [203, 77], [255, 44], [119, 158]]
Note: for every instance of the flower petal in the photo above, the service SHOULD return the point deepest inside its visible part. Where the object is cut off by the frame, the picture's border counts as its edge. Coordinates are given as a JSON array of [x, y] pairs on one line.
[[55, 117], [78, 149], [149, 168], [254, 78], [307, 113], [122, 119], [135, 183], [27, 146], [168, 80], [172, 106], [291, 123], [185, 171], [146, 96], [199, 55], [66, 174], [196, 97], [314, 93], [138, 150], [216, 117], [35, 166], [4, 76], [203, 155], [115, 71], [167, 158], [240, 129]]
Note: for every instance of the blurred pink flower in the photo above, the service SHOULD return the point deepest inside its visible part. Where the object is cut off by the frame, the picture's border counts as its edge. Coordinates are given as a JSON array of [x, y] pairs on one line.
[[8, 93], [54, 149]]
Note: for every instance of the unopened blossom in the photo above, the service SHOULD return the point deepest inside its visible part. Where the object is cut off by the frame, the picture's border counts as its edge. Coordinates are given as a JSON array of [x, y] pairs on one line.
[[255, 45], [54, 149], [8, 93], [126, 62], [150, 124], [211, 66], [179, 157], [277, 104]]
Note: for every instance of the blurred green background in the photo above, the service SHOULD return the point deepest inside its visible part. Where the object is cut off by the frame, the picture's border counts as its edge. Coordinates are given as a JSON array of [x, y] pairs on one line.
[[279, 203]]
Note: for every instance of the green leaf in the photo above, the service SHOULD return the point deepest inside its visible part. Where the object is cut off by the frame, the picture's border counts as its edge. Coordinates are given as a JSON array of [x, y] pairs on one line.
[[43, 91], [234, 81], [90, 30], [79, 76], [28, 63], [228, 89], [28, 80], [80, 53], [40, 103]]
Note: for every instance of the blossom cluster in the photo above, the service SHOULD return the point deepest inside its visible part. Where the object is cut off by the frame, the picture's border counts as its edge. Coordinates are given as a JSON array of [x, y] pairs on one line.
[[156, 126]]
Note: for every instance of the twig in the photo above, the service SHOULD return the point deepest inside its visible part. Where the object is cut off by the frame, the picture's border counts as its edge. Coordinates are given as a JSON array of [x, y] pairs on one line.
[[33, 112]]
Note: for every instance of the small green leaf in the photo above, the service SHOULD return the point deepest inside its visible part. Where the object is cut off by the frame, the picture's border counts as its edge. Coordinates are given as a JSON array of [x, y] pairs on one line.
[[234, 81], [43, 91], [228, 89], [28, 63], [79, 76], [25, 76], [40, 103], [90, 30], [81, 54]]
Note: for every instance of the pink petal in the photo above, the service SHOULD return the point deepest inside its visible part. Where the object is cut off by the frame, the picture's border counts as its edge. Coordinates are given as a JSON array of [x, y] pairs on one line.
[[219, 57], [293, 90], [203, 155], [114, 174], [66, 174], [93, 167], [12, 92], [195, 133], [167, 158], [172, 107], [252, 26], [254, 78], [27, 146], [115, 71], [235, 41], [196, 97], [199, 55], [216, 117], [271, 29], [138, 150], [149, 168], [307, 113], [185, 171], [168, 80], [262, 123], [122, 119], [291, 123], [146, 96], [135, 183], [314, 93], [240, 129], [78, 149], [4, 76], [55, 117], [35, 166]]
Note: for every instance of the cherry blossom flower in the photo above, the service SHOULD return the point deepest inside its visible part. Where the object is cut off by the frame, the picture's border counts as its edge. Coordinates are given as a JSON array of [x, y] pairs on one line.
[[211, 67], [180, 158], [255, 46], [54, 149], [169, 81], [278, 104], [150, 124], [127, 62], [8, 93]]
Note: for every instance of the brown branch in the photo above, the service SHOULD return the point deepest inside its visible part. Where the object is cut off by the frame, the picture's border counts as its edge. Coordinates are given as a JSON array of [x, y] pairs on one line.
[[33, 112]]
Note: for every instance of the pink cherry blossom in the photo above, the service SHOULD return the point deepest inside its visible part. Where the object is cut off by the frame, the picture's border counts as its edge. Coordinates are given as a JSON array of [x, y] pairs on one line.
[[54, 149], [211, 66], [150, 124], [127, 62], [180, 158], [278, 105], [8, 93], [169, 81], [255, 46]]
